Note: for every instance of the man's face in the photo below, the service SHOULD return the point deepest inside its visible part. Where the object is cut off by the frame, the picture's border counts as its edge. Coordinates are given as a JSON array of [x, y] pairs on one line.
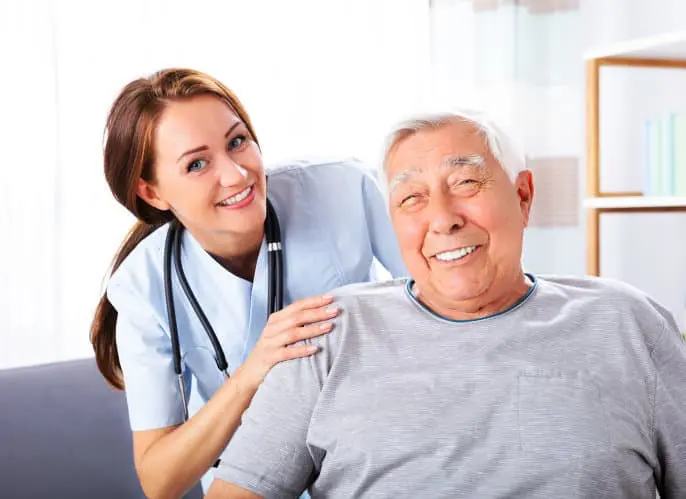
[[459, 218]]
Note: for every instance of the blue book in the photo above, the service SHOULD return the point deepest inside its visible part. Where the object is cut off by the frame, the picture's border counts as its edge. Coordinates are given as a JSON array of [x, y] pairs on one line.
[[655, 163], [646, 157], [667, 167], [680, 154]]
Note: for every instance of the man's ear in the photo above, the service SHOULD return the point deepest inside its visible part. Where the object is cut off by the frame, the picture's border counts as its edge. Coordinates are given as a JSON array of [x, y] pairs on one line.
[[524, 184], [148, 193]]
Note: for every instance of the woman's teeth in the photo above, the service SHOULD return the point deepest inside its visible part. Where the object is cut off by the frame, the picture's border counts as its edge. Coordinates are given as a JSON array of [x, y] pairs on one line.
[[236, 199], [449, 256]]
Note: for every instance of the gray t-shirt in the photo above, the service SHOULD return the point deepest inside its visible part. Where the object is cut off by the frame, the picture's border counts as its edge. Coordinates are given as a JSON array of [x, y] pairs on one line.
[[579, 390]]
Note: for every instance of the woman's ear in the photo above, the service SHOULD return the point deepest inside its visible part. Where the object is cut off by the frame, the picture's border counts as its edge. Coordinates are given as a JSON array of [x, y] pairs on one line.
[[149, 193]]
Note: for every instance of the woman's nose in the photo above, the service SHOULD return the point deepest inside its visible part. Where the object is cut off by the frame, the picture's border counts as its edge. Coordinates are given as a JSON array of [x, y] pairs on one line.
[[231, 173]]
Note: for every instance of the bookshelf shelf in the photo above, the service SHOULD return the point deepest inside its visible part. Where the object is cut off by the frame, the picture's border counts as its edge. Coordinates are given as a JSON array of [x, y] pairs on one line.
[[666, 48], [662, 51], [636, 203]]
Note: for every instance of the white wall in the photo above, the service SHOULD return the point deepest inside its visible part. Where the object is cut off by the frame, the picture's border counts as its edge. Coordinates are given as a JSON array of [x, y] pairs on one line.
[[647, 250], [318, 78], [610, 21]]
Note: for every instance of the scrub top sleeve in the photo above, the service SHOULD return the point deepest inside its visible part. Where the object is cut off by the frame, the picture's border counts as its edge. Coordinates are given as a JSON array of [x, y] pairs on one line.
[[151, 386], [381, 234], [669, 357]]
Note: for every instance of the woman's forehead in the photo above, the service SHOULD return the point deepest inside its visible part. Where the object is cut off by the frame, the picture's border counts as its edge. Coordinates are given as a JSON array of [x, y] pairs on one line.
[[191, 123]]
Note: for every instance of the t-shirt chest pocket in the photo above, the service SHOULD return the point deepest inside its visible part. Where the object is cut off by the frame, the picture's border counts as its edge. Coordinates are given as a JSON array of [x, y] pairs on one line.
[[561, 415]]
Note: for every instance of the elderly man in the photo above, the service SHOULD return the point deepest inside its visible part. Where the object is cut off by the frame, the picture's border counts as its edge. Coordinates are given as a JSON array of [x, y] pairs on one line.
[[471, 378]]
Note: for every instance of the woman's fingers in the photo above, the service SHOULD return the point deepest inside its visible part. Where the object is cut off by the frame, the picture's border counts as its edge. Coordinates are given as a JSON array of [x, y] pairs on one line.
[[304, 319], [310, 316], [296, 352], [301, 305], [297, 317], [301, 333]]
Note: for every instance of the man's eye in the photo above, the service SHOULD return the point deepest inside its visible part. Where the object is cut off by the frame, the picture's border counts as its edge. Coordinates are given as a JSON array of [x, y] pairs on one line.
[[237, 142], [409, 200], [196, 165], [465, 183]]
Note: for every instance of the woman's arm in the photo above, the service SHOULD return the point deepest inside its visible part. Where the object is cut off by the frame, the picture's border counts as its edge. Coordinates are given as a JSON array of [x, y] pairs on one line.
[[169, 461]]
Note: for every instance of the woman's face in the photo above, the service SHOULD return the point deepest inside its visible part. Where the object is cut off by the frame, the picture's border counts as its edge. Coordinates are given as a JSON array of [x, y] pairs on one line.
[[208, 170]]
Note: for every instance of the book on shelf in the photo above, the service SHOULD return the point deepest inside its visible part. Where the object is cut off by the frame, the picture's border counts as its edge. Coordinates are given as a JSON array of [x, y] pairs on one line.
[[665, 160]]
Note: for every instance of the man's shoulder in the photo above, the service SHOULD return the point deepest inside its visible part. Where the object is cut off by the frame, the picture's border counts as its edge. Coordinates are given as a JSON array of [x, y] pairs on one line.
[[596, 287], [602, 295]]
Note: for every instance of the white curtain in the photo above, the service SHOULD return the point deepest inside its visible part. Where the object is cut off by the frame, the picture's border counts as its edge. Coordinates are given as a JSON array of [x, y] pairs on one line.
[[322, 78]]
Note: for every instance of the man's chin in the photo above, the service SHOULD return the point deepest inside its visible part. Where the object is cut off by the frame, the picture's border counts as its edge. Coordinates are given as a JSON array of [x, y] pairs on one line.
[[462, 288], [451, 294]]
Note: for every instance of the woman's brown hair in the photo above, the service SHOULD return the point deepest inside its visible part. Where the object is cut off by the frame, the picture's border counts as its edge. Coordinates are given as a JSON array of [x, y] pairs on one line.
[[128, 157]]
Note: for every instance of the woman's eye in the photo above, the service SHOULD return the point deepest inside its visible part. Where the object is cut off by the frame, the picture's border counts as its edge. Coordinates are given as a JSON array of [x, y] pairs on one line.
[[237, 141], [196, 165]]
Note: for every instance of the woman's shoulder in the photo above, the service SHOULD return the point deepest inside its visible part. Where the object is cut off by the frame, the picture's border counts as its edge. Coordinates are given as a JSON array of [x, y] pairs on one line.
[[142, 268], [317, 169], [321, 174]]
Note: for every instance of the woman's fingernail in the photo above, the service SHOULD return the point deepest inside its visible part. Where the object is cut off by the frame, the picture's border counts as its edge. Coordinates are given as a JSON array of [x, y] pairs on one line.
[[312, 349], [327, 298], [325, 326], [332, 309]]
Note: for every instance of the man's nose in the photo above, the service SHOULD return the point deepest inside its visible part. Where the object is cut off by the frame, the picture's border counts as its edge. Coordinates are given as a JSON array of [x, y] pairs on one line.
[[231, 172], [444, 216]]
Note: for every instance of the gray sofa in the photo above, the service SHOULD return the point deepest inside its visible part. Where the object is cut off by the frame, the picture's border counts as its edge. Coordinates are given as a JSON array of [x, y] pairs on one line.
[[64, 433]]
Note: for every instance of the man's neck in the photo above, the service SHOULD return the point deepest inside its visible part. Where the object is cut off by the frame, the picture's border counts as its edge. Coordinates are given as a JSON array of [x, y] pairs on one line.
[[489, 303]]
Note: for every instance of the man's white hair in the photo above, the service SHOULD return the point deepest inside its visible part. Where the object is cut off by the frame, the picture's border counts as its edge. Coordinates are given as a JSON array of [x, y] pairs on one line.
[[498, 142]]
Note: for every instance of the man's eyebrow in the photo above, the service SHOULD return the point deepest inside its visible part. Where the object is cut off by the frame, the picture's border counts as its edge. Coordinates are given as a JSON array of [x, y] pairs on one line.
[[468, 160], [403, 177], [449, 162]]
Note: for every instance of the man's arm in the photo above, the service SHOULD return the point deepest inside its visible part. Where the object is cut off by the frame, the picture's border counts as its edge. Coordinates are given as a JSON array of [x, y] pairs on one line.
[[268, 455], [669, 356]]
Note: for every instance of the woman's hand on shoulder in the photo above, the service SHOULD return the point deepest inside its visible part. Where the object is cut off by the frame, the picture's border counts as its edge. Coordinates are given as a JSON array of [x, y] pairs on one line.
[[304, 319]]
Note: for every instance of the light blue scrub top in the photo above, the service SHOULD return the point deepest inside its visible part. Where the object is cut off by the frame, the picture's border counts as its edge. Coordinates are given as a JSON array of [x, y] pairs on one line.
[[334, 221]]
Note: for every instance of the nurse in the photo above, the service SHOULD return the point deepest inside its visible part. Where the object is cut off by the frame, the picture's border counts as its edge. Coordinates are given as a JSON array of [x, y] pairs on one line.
[[180, 148]]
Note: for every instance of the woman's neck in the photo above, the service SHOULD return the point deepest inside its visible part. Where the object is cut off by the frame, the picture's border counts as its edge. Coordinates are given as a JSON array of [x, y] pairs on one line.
[[237, 253]]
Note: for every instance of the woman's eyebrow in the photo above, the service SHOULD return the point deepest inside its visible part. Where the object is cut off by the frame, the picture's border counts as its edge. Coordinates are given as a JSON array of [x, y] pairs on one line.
[[204, 148]]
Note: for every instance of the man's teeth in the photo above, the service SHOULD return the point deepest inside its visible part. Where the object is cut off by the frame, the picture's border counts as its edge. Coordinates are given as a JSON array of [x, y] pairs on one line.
[[449, 256], [237, 198]]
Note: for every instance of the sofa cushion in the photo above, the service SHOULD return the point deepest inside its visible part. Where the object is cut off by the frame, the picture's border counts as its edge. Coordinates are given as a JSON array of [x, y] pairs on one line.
[[64, 433]]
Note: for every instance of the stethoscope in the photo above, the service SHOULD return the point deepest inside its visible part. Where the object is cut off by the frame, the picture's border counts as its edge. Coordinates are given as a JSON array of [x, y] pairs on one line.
[[172, 249]]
